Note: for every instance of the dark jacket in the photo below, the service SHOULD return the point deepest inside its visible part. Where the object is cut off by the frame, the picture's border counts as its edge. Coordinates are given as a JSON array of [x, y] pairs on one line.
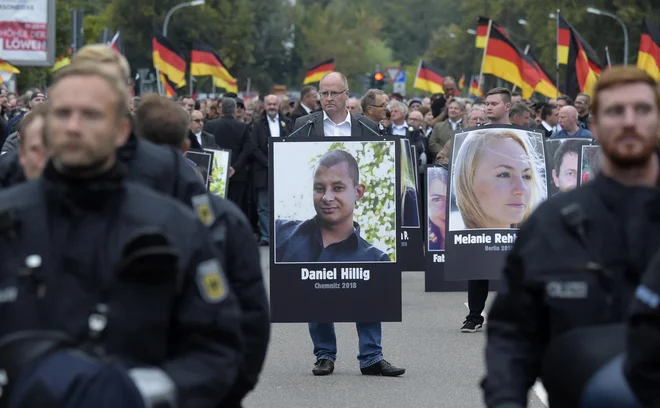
[[555, 281], [232, 135], [301, 241], [259, 139], [233, 237], [360, 126], [80, 229], [208, 141], [11, 171], [298, 112]]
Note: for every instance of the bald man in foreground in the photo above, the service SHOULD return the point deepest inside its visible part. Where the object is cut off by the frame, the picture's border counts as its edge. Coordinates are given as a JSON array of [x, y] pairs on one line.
[[568, 119]]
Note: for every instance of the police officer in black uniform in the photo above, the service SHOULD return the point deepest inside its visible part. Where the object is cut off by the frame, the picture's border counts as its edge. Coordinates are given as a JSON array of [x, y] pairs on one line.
[[129, 275], [580, 256], [161, 120]]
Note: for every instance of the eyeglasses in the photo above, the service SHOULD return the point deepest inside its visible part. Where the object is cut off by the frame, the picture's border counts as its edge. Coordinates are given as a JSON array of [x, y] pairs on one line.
[[326, 94], [378, 106]]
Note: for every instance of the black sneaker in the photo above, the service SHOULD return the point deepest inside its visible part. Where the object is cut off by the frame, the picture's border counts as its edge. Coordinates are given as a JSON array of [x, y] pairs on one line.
[[323, 366], [470, 326], [383, 368]]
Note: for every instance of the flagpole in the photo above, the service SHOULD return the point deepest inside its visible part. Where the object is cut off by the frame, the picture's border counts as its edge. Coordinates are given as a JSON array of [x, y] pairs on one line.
[[483, 59], [557, 70], [247, 90], [213, 89], [158, 81], [607, 57], [524, 53], [191, 84]]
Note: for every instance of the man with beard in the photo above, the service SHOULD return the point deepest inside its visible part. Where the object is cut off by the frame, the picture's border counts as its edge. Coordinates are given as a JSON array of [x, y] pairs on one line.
[[272, 124], [579, 257]]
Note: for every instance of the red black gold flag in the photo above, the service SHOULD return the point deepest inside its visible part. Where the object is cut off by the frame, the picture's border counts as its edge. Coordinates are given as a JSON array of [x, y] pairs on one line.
[[7, 67], [428, 78], [461, 82], [167, 60], [648, 57], [482, 32], [580, 74], [564, 38], [546, 85], [167, 85], [475, 89], [504, 60], [205, 62], [318, 71]]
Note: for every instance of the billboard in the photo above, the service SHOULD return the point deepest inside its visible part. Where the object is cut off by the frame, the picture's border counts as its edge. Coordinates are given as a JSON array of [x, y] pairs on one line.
[[27, 32]]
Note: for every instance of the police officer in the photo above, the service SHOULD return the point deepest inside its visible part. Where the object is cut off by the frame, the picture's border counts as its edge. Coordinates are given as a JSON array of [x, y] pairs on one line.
[[642, 366], [125, 272], [162, 121], [579, 257]]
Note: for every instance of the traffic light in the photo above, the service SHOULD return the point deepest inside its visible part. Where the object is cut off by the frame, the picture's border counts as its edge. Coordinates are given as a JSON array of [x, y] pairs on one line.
[[379, 80]]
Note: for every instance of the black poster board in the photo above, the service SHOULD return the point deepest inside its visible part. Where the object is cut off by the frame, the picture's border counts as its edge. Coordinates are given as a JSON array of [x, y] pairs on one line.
[[322, 268], [497, 178]]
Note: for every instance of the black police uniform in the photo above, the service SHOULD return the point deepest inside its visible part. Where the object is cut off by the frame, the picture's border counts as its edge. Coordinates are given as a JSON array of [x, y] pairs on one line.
[[176, 315], [232, 234], [576, 263], [11, 171], [301, 241], [642, 366]]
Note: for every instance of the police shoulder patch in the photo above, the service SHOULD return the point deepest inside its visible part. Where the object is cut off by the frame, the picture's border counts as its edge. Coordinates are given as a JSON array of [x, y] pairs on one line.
[[211, 281], [203, 209]]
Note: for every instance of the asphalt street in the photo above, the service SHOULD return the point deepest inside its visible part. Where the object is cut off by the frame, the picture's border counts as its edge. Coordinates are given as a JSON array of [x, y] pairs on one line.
[[444, 366]]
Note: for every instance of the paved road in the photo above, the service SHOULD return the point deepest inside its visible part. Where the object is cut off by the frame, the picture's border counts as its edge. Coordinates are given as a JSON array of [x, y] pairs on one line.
[[443, 365]]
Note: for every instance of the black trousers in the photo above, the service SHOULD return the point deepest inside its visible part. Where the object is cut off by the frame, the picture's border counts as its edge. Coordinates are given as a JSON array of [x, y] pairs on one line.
[[477, 295], [238, 192]]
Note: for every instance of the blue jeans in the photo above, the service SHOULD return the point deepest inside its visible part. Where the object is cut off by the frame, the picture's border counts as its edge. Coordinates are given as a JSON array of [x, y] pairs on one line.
[[262, 210], [369, 341]]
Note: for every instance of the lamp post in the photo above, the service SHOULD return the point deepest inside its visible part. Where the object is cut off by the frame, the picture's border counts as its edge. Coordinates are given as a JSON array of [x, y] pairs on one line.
[[596, 11], [168, 16], [177, 7]]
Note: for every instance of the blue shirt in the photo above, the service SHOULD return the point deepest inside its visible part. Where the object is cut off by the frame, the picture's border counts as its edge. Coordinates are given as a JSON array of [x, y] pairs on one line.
[[301, 241], [582, 132]]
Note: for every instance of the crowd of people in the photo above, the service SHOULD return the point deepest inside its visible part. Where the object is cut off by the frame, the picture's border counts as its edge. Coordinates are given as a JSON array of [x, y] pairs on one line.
[[94, 180]]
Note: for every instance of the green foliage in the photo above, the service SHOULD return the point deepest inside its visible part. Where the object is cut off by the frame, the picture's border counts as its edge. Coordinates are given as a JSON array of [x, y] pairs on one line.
[[219, 168], [376, 211]]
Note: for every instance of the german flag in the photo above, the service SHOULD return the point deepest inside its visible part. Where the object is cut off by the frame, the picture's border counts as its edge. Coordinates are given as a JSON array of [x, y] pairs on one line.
[[167, 60], [205, 62], [648, 58], [318, 71], [564, 37], [429, 78], [580, 76], [475, 89], [7, 67], [546, 85], [167, 85], [504, 60], [229, 85], [482, 32]]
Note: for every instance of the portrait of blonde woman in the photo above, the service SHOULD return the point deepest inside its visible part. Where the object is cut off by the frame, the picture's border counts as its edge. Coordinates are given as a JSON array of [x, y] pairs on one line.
[[498, 178], [437, 207]]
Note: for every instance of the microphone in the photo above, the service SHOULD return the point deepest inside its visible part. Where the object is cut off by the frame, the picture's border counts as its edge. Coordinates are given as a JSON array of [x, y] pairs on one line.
[[370, 129], [309, 122]]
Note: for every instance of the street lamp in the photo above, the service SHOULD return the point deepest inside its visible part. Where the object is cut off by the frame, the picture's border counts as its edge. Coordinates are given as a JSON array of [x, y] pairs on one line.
[[471, 31], [522, 21], [552, 16], [596, 11], [177, 7]]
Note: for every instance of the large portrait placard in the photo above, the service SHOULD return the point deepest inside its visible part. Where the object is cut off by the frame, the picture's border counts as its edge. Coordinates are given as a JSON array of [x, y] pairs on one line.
[[335, 217], [497, 178], [411, 250], [590, 163], [219, 173], [563, 157], [203, 161]]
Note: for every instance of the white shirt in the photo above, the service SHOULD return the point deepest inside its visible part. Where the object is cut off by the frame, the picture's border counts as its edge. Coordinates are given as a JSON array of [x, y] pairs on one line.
[[331, 128], [306, 108], [399, 130], [548, 127], [274, 125], [199, 138], [454, 125]]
